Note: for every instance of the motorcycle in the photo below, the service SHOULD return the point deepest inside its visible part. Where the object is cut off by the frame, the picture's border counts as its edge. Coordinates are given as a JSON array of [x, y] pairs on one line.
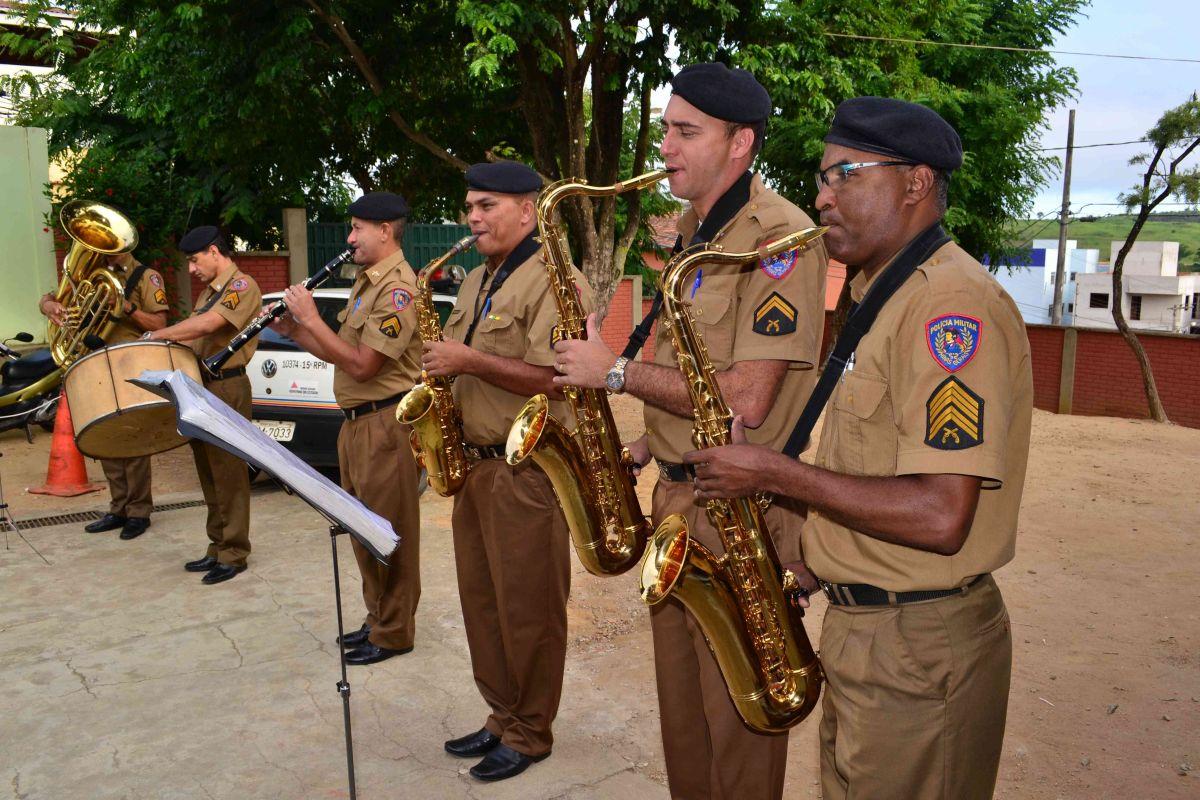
[[29, 387]]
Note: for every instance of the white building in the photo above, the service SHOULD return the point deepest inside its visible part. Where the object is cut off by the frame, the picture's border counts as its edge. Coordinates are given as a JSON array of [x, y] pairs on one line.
[[1031, 284], [1154, 296]]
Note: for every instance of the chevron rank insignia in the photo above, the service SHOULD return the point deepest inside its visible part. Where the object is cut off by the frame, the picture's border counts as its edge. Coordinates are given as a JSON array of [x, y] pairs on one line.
[[775, 316], [553, 336], [160, 297], [390, 327], [955, 417], [231, 300]]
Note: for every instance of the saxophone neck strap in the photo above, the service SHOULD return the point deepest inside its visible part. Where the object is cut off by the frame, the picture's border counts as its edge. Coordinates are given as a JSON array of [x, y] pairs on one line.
[[520, 254], [861, 318]]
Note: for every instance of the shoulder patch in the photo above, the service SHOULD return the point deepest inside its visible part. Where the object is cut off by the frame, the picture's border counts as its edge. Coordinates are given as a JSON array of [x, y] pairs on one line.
[[155, 279], [775, 316], [160, 297], [780, 266], [390, 327], [231, 300], [401, 299], [553, 336], [953, 340], [954, 417], [239, 285]]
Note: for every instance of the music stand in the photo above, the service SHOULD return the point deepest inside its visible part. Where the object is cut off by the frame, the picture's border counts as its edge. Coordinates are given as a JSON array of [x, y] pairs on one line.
[[202, 415]]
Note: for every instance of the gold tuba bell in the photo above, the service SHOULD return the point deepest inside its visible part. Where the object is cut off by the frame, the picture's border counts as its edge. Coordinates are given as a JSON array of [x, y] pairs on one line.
[[92, 295]]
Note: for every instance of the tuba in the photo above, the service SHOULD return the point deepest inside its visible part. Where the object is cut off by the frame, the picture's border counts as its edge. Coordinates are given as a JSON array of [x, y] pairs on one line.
[[92, 295], [589, 468], [742, 599], [437, 431]]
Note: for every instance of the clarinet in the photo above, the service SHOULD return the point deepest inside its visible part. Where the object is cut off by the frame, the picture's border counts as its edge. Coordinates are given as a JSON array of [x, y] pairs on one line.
[[213, 364]]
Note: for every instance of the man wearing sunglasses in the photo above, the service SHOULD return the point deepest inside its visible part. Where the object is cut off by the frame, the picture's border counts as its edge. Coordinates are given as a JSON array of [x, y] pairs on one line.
[[914, 495]]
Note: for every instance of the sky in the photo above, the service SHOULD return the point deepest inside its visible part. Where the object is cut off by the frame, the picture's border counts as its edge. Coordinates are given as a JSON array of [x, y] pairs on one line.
[[1119, 99]]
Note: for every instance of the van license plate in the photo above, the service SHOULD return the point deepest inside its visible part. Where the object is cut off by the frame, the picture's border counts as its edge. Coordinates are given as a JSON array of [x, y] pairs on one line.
[[277, 430]]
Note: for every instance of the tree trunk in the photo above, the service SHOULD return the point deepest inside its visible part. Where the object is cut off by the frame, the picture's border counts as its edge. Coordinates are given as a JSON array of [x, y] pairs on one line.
[[1157, 412]]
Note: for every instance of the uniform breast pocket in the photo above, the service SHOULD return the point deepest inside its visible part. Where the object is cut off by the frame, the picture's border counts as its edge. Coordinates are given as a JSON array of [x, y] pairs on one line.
[[866, 431], [713, 316], [454, 327], [500, 334]]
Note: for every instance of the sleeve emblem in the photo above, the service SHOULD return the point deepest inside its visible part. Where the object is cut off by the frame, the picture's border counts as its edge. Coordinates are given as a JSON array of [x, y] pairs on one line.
[[239, 285], [231, 299], [155, 279], [954, 417], [390, 327], [953, 340], [775, 316], [160, 297], [401, 299], [554, 336], [780, 266]]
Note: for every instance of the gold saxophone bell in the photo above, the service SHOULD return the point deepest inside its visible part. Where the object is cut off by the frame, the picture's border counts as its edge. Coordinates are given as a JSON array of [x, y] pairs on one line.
[[92, 295]]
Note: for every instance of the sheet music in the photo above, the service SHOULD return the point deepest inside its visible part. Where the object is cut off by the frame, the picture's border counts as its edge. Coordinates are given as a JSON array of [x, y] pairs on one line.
[[203, 415]]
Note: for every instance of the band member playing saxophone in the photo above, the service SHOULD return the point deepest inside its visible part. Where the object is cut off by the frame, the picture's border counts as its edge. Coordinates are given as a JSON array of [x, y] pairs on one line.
[[511, 546], [375, 356], [229, 301], [762, 328]]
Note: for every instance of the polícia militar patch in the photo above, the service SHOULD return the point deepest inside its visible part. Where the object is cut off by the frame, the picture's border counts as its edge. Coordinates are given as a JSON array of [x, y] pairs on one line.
[[779, 266], [953, 340]]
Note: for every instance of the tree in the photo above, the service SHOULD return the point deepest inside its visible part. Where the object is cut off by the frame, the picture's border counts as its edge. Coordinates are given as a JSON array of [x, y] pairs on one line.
[[260, 101], [1173, 138]]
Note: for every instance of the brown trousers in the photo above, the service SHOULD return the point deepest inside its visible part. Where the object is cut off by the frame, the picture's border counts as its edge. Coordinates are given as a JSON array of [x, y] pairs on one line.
[[512, 555], [915, 698], [225, 481], [129, 486], [710, 753], [378, 468]]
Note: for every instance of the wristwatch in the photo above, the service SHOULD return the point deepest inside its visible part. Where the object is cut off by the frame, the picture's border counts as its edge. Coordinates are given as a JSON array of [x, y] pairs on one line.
[[615, 379]]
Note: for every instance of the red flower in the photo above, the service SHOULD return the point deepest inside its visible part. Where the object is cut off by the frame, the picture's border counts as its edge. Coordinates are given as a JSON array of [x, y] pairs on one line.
[[108, 192], [45, 230]]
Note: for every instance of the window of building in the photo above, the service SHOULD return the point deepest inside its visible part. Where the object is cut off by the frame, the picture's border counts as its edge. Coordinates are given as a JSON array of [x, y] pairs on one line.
[[1135, 306], [1098, 300], [1196, 305], [1070, 308]]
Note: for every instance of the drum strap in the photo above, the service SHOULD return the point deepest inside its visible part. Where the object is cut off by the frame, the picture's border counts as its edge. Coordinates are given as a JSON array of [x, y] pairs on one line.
[[134, 277]]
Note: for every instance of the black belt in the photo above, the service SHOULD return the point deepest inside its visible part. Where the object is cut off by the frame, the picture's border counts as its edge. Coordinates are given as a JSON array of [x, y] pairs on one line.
[[863, 594], [675, 472], [478, 452], [223, 375], [374, 405]]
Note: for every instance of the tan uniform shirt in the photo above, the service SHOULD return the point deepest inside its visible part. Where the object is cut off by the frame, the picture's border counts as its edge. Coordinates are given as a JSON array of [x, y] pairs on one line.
[[940, 385], [519, 323], [240, 301], [149, 295], [774, 311], [380, 314]]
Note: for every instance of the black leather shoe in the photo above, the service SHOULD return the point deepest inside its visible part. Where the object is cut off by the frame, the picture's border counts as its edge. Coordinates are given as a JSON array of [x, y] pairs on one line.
[[368, 653], [109, 522], [135, 527], [221, 573], [201, 564], [503, 762], [355, 638], [473, 745]]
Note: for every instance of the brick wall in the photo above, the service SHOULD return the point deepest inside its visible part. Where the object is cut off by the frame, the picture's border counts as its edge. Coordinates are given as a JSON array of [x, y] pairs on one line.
[[1045, 349], [1108, 381], [269, 270], [619, 322]]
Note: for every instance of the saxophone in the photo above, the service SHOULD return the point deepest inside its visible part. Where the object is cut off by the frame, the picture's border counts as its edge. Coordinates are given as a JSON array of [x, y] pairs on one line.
[[742, 599], [589, 468], [437, 437]]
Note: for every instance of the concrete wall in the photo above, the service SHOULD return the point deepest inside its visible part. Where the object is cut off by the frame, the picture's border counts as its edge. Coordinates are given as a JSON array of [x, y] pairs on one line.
[[1148, 258], [27, 255]]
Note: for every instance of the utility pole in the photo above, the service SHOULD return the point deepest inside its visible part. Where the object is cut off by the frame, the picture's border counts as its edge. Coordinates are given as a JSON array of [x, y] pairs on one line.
[[1056, 309]]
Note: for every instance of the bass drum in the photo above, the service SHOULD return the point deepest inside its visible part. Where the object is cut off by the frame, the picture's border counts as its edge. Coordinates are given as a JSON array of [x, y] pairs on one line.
[[113, 417]]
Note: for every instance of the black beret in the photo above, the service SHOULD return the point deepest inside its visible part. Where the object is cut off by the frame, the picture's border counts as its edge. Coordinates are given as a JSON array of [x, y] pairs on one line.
[[729, 94], [896, 128], [507, 177], [198, 239], [379, 207]]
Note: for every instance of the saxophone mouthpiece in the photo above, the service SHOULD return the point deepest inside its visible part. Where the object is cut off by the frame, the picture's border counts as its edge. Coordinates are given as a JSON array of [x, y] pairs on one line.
[[464, 243]]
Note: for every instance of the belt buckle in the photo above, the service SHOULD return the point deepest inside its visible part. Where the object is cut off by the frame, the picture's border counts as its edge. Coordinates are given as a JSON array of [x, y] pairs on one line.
[[827, 587], [472, 452]]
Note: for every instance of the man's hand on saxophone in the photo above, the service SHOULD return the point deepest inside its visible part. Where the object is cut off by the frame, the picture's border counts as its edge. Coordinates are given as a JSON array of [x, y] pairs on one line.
[[447, 358], [583, 362]]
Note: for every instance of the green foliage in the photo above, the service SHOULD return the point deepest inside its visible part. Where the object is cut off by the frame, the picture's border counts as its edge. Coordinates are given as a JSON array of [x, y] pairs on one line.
[[1174, 138]]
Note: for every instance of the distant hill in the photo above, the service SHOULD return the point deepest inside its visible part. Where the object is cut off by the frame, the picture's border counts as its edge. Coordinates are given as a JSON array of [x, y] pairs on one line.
[[1099, 232]]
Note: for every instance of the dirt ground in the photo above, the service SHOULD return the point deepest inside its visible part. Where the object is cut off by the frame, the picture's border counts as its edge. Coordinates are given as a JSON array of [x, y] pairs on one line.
[[1103, 596]]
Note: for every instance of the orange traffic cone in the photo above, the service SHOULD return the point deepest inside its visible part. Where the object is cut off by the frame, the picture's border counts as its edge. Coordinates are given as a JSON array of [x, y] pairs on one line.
[[66, 475]]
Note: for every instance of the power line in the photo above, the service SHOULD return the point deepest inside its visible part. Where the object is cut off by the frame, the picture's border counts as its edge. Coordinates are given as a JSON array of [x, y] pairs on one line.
[[1105, 144], [1008, 49]]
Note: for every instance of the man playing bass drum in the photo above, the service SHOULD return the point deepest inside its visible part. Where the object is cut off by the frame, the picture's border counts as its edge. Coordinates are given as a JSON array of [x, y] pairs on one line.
[[375, 357], [511, 546], [762, 328]]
